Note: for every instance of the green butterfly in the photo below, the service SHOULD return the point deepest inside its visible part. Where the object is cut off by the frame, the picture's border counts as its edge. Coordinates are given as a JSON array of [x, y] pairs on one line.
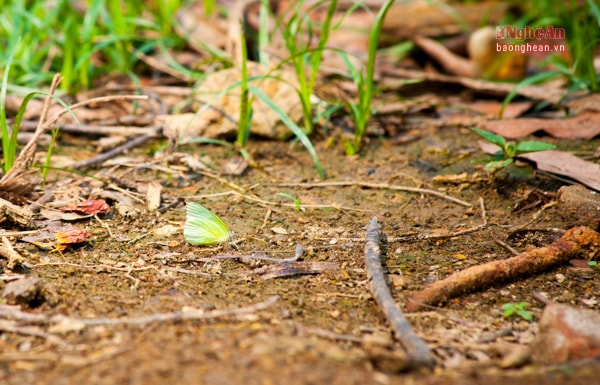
[[203, 227]]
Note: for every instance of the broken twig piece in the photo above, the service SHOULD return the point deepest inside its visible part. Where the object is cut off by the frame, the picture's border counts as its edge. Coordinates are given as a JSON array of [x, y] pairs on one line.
[[578, 240], [417, 351]]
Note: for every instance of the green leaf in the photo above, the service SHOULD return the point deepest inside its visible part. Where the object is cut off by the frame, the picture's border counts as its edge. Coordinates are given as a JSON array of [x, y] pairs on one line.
[[541, 77], [300, 134], [526, 315], [533, 146], [490, 137], [496, 165]]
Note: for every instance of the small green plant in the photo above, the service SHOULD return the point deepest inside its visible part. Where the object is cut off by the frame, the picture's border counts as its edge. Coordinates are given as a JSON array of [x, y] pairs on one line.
[[306, 61], [297, 205], [517, 309], [361, 111], [508, 150]]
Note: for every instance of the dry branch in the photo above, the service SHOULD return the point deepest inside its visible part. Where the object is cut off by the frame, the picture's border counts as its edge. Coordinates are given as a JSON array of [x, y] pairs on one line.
[[383, 186], [578, 240], [13, 312], [417, 351]]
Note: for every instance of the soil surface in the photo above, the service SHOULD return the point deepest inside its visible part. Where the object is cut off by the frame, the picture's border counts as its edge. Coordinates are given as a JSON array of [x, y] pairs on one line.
[[324, 327]]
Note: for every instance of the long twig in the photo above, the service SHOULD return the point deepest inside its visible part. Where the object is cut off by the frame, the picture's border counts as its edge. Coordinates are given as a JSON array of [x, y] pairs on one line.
[[417, 351], [99, 159], [13, 312], [384, 186], [574, 241]]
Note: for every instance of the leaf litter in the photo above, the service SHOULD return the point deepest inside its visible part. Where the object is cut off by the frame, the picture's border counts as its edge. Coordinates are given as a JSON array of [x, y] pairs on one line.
[[138, 302]]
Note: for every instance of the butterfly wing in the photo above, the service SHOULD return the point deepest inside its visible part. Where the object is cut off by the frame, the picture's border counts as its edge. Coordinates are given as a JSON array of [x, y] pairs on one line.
[[203, 227]]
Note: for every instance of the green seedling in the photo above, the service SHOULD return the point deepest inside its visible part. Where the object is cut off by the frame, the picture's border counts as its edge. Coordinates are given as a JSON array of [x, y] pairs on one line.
[[517, 309], [296, 201], [508, 150], [361, 112], [306, 61], [203, 227]]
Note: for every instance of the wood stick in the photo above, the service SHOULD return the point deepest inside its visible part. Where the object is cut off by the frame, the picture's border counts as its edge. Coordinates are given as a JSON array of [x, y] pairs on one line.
[[417, 351], [578, 240]]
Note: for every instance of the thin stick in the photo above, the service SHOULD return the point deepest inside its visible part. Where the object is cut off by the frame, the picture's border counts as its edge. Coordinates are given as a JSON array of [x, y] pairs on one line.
[[189, 314], [99, 159], [101, 99], [385, 186], [422, 237], [576, 240], [417, 351]]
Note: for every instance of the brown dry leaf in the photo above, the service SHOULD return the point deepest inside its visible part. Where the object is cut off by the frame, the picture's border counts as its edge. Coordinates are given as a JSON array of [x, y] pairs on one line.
[[89, 207], [431, 18], [199, 29], [491, 108], [70, 236], [567, 164], [583, 126]]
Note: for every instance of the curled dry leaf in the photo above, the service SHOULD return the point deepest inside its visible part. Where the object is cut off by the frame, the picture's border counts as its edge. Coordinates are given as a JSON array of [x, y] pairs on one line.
[[89, 207], [71, 236]]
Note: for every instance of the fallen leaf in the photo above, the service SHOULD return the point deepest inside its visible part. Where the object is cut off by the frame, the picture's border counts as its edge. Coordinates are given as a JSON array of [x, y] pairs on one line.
[[89, 207], [71, 236], [583, 126]]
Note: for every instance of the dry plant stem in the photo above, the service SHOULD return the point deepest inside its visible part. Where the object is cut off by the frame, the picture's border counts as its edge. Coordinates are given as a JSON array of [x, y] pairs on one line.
[[97, 160], [385, 186], [14, 258], [89, 129], [22, 216], [578, 240], [13, 312], [101, 99], [459, 233], [417, 351]]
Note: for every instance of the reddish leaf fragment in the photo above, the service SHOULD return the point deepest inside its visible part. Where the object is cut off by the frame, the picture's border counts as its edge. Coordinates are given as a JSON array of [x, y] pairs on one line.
[[89, 207], [71, 236]]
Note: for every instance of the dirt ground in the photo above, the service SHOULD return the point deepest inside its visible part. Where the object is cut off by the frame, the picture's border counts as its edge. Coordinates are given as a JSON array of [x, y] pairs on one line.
[[325, 328]]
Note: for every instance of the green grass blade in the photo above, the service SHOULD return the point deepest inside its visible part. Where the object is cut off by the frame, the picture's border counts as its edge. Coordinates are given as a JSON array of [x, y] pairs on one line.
[[8, 149], [300, 134], [543, 76]]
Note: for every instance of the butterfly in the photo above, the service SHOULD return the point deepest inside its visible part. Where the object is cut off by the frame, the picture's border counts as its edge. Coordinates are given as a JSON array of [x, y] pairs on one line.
[[203, 227]]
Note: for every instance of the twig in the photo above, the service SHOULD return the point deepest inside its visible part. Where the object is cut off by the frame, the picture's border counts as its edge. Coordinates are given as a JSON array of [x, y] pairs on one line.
[[385, 186], [271, 203], [506, 245], [187, 314], [90, 129], [422, 237], [574, 241], [101, 99], [99, 159], [289, 269], [14, 258], [417, 351]]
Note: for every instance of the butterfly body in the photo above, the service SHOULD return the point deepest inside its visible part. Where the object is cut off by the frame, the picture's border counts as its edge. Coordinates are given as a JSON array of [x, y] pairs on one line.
[[203, 227]]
